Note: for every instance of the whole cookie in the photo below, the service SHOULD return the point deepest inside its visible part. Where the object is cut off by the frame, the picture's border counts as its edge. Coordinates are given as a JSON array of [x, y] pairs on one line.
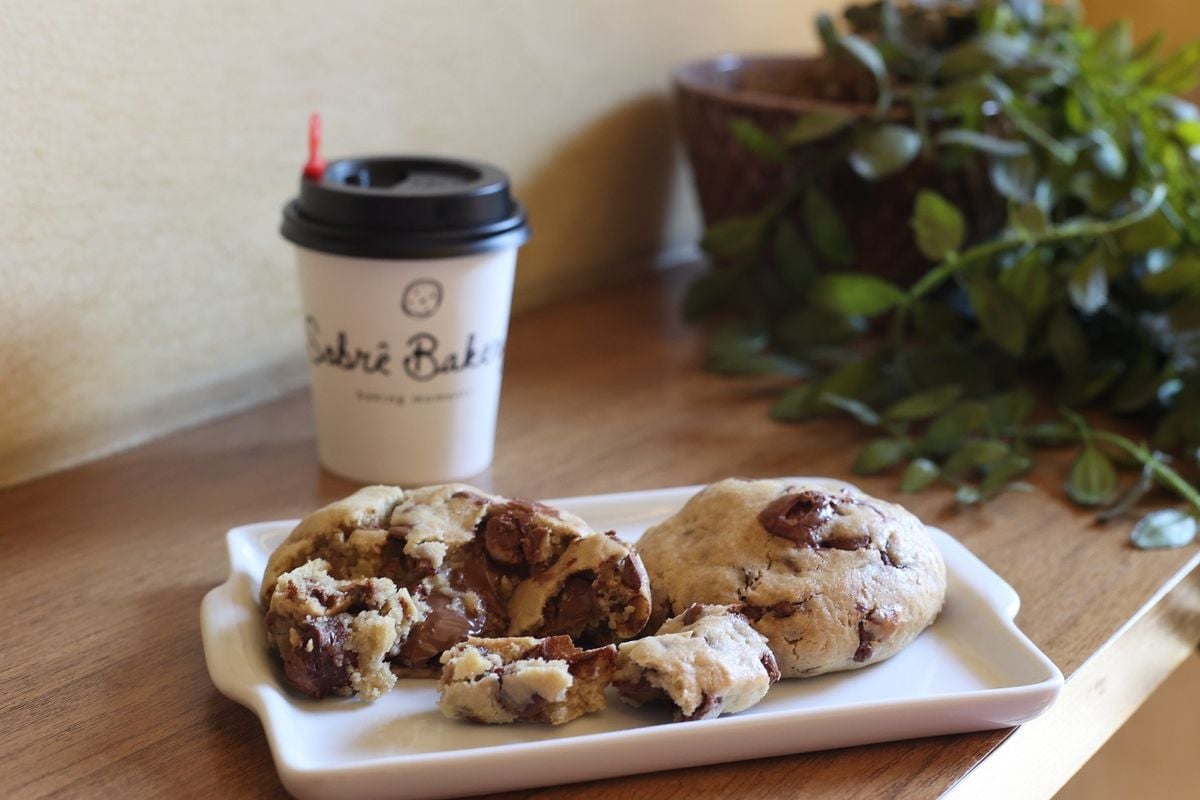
[[835, 579], [482, 565]]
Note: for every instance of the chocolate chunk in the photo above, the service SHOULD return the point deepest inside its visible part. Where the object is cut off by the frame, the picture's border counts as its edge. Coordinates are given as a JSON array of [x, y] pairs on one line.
[[554, 648], [803, 517], [513, 537], [771, 666], [693, 613], [798, 516], [866, 646], [396, 565], [533, 710], [709, 707], [590, 665], [446, 625], [752, 613], [642, 691], [320, 665], [875, 626], [503, 533], [572, 609], [630, 577]]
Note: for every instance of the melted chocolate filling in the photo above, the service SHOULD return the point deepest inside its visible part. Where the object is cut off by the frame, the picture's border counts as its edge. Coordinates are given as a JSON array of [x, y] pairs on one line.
[[803, 518]]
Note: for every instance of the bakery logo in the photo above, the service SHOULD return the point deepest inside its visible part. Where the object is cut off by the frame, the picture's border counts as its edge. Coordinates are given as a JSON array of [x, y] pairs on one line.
[[422, 298], [424, 357]]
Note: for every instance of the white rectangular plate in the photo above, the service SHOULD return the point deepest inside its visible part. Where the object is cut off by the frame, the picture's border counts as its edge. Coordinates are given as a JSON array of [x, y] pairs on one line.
[[971, 670]]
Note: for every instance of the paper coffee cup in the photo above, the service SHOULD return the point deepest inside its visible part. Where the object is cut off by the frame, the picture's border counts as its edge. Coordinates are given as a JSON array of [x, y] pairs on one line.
[[406, 271]]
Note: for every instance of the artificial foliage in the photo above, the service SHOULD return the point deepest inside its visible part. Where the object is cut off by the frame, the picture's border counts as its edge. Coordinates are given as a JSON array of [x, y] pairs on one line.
[[1084, 298]]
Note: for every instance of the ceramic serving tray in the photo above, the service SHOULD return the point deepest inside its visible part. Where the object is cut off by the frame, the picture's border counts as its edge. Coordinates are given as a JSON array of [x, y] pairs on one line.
[[971, 670]]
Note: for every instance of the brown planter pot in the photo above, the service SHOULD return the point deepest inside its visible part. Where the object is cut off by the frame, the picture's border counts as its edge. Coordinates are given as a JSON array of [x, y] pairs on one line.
[[775, 91]]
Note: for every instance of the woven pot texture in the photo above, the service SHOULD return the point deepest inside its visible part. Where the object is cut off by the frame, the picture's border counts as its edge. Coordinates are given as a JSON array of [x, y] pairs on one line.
[[775, 91]]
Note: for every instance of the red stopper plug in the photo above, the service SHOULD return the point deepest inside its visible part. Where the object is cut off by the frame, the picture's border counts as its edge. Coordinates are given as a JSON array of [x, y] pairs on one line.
[[315, 168]]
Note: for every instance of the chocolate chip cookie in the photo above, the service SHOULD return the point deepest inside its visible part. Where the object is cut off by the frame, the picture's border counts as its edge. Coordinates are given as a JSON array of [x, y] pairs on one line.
[[483, 565], [835, 579], [524, 679], [336, 636], [706, 662]]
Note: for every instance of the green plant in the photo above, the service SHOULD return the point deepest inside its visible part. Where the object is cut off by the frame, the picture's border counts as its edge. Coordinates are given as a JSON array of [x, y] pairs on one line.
[[1087, 293]]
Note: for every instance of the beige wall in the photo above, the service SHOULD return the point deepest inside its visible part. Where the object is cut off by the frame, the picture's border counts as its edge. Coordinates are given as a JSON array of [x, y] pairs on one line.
[[1179, 20], [146, 148]]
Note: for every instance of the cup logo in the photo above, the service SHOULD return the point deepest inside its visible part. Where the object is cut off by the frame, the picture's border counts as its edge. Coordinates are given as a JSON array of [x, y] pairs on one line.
[[422, 298]]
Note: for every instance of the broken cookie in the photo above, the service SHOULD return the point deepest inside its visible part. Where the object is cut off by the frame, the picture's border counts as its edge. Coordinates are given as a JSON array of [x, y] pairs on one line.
[[483, 565], [706, 662], [523, 679], [337, 636]]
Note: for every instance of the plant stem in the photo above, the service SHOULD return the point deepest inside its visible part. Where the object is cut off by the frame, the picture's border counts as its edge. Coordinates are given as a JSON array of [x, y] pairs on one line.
[[982, 252], [1068, 230], [1164, 473]]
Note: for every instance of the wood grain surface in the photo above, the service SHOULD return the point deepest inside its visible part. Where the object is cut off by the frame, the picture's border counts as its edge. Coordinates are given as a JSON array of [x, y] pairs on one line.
[[103, 688]]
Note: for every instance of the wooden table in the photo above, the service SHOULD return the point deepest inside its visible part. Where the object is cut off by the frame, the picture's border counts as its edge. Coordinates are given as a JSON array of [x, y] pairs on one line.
[[104, 689]]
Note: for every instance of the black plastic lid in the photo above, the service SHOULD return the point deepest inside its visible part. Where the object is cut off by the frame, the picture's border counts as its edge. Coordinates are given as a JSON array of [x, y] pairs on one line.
[[405, 207]]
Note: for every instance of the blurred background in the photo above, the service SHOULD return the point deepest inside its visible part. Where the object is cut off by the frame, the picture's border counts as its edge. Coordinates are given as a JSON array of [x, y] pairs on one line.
[[147, 148]]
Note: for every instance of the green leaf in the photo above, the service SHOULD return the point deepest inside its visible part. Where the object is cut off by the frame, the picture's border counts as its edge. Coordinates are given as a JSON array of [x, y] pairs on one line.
[[852, 380], [1014, 178], [825, 228], [939, 225], [855, 408], [1017, 116], [1009, 410], [1088, 286], [734, 345], [1028, 280], [1151, 233], [1107, 154], [967, 495], [1179, 275], [1168, 527], [883, 150], [1114, 43], [866, 54], [949, 429], [815, 125], [734, 236], [973, 454], [793, 261], [924, 404], [984, 143], [857, 293], [1055, 433], [984, 53], [1002, 472], [1179, 72], [1188, 131], [880, 455], [1092, 479], [1000, 315], [814, 326], [797, 405], [1030, 221], [1139, 386], [707, 294], [758, 141], [919, 474], [1068, 345]]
